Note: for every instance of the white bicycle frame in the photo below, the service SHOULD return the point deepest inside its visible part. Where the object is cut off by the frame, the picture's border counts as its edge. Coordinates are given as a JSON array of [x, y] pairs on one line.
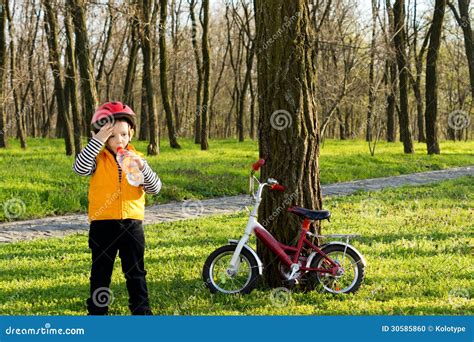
[[252, 223], [249, 229]]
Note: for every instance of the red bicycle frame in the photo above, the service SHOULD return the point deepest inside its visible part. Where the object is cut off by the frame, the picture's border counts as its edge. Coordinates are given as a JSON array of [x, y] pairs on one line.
[[290, 254]]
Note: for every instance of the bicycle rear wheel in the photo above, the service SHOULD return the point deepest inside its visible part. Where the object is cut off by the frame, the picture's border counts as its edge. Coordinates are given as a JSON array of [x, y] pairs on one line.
[[352, 274]]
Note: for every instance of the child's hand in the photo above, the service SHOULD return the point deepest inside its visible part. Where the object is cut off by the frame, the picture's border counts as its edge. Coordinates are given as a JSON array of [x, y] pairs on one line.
[[139, 162], [104, 133]]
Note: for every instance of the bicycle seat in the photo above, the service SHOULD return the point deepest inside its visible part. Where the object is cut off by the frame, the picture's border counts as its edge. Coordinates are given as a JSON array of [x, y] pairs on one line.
[[310, 214]]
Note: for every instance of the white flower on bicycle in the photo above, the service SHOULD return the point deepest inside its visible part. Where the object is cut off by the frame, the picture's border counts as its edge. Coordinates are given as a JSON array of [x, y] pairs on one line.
[[14, 208], [102, 297], [280, 297], [192, 208], [281, 119]]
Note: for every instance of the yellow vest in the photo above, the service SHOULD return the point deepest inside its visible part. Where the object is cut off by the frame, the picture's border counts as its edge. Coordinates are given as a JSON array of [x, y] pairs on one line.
[[110, 199]]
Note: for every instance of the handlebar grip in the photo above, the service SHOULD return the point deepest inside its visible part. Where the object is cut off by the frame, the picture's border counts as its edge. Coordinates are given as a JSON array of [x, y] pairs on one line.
[[278, 187], [256, 166]]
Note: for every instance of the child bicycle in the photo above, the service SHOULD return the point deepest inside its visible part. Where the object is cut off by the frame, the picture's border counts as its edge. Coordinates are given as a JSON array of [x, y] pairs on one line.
[[236, 268]]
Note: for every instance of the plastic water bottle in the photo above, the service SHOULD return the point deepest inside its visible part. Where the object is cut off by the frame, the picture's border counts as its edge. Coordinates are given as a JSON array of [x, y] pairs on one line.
[[129, 166]]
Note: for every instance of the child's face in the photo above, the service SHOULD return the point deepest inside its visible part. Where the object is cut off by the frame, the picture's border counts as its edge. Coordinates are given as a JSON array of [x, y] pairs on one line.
[[120, 136]]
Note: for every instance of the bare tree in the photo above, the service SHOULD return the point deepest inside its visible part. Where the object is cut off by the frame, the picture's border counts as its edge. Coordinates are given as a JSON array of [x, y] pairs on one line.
[[431, 84], [416, 81], [3, 60], [206, 67], [51, 24], [370, 106], [88, 88], [71, 87], [464, 20], [400, 48], [147, 50], [19, 115], [197, 113], [164, 75]]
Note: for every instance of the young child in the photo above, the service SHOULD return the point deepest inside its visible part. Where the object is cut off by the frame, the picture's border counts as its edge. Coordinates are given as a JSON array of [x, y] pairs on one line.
[[116, 209]]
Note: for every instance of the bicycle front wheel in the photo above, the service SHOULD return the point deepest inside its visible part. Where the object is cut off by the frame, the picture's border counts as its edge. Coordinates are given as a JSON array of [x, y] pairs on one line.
[[217, 279]]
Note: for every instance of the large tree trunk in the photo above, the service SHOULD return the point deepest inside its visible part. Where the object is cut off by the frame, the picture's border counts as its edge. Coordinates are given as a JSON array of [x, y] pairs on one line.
[[206, 66], [197, 113], [88, 88], [51, 24], [288, 123], [400, 48], [71, 84], [431, 112], [147, 50], [164, 76], [3, 62]]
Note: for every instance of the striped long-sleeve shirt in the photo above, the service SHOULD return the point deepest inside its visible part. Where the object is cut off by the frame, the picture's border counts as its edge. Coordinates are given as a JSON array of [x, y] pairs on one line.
[[85, 165]]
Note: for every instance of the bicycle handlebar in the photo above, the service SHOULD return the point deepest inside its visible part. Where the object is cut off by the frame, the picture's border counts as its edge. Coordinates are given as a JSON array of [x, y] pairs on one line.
[[278, 187], [256, 166]]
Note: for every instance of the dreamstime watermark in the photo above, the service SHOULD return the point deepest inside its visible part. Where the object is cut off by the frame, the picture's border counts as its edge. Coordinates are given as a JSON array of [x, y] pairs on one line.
[[370, 206], [110, 199], [46, 330], [280, 297], [281, 207], [192, 208], [103, 121], [458, 120], [17, 117], [286, 24], [183, 127], [102, 297], [14, 208], [281, 119]]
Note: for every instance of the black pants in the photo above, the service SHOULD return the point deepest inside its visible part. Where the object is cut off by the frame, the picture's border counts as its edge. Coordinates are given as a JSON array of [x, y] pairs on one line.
[[106, 238]]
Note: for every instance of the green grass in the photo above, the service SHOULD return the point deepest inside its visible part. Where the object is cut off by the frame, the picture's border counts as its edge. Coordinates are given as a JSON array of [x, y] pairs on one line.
[[39, 182], [417, 242]]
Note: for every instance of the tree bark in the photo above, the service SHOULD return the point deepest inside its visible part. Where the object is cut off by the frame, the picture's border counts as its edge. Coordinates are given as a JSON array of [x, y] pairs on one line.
[[431, 84], [370, 106], [19, 117], [51, 25], [400, 48], [71, 83], [206, 66], [288, 122], [3, 66], [164, 76], [132, 60], [416, 81], [464, 20], [197, 58], [147, 50], [88, 87]]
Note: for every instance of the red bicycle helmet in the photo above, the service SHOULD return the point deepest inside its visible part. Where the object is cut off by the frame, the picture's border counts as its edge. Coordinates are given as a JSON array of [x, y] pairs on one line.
[[111, 111]]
